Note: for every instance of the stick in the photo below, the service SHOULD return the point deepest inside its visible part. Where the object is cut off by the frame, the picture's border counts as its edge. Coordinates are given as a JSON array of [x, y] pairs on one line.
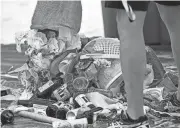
[[37, 117]]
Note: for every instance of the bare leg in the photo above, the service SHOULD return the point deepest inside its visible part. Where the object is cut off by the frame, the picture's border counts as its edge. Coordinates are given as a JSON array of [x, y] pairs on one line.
[[133, 60], [171, 17]]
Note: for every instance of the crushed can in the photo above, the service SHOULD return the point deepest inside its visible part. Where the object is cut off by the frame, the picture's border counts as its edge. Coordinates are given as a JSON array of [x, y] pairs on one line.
[[71, 114], [49, 87], [58, 110], [61, 93], [82, 100]]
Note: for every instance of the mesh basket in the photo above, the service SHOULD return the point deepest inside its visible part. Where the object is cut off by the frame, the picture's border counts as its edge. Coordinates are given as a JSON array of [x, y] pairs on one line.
[[102, 48]]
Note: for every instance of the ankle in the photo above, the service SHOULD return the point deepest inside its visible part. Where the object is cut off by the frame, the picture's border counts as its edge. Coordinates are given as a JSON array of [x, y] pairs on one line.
[[134, 115]]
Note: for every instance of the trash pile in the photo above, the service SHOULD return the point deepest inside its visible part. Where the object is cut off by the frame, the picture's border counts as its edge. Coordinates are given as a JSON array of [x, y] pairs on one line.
[[79, 83]]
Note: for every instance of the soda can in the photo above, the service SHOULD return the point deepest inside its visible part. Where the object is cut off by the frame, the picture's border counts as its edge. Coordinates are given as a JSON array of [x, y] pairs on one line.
[[79, 123], [45, 86], [62, 94], [82, 100], [71, 114], [58, 110], [78, 112]]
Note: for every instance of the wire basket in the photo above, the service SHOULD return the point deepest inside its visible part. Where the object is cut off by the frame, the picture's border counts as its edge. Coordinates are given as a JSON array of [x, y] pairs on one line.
[[102, 48]]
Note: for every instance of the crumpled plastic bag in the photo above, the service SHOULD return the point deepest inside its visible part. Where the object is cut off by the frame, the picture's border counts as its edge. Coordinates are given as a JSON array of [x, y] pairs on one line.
[[37, 42], [53, 45], [33, 38], [63, 65], [74, 43], [149, 76], [100, 100], [25, 95], [154, 93], [102, 63], [91, 72], [40, 62], [62, 46], [28, 81], [68, 39], [28, 78]]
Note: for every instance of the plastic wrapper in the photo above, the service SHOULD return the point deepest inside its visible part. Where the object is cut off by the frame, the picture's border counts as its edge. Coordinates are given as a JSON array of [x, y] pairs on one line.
[[91, 72], [149, 76], [22, 68], [54, 67], [43, 76], [38, 46], [154, 93], [25, 95], [28, 78], [39, 62], [102, 63], [75, 43], [30, 86], [157, 66], [53, 45], [168, 84], [39, 109], [68, 39], [35, 42], [64, 64], [62, 45], [100, 100]]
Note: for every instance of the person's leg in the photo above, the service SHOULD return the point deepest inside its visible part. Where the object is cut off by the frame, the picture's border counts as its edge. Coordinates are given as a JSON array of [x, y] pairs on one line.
[[171, 17], [133, 60]]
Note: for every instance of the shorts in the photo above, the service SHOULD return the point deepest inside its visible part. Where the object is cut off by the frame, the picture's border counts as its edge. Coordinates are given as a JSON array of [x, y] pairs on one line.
[[138, 5]]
